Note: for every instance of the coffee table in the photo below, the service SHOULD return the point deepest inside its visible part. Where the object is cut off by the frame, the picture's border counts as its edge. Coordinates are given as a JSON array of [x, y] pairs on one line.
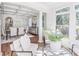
[[47, 51]]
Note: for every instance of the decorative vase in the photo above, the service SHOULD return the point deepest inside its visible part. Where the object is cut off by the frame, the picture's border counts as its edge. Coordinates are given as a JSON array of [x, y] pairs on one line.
[[55, 46]]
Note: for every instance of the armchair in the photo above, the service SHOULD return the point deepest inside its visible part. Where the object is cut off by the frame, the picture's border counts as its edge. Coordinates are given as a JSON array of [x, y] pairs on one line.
[[22, 46]]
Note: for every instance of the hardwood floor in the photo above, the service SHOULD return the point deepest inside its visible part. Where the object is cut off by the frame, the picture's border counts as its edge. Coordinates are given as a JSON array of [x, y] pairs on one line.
[[5, 48]]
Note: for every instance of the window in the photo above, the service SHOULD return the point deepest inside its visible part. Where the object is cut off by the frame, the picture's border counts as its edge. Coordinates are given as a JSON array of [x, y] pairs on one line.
[[77, 21], [62, 21], [77, 18], [76, 7]]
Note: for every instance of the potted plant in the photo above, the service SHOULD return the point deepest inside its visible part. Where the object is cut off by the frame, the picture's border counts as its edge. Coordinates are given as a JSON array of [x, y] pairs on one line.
[[55, 40]]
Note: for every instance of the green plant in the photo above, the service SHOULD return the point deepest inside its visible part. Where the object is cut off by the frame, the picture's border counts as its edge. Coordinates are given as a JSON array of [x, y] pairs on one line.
[[53, 37]]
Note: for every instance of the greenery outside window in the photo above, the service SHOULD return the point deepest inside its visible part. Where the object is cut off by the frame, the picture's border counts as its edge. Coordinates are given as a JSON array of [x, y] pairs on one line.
[[62, 21], [63, 29]]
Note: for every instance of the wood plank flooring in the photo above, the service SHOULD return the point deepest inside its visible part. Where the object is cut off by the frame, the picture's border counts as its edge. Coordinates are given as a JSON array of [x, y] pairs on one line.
[[5, 48]]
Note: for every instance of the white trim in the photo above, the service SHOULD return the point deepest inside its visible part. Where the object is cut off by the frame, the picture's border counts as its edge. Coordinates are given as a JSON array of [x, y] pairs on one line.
[[62, 7], [72, 26], [62, 25], [77, 26], [77, 10], [62, 13]]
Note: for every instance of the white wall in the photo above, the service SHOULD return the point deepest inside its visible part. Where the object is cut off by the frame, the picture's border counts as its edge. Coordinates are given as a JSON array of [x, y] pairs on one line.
[[72, 25], [51, 19]]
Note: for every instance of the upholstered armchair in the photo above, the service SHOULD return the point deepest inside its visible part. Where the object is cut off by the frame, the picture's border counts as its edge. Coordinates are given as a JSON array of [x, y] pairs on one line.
[[22, 46]]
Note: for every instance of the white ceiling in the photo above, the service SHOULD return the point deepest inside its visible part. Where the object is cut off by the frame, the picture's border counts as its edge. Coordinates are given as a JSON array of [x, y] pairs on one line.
[[52, 4], [55, 4], [48, 4]]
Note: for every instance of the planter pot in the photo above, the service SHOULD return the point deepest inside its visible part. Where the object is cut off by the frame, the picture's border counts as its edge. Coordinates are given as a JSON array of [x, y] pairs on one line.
[[55, 46]]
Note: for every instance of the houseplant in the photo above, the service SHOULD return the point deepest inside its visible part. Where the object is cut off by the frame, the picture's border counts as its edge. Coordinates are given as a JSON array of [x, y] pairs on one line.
[[55, 40]]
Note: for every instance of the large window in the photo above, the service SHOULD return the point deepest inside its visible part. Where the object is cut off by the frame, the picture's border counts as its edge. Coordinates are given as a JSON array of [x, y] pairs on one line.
[[77, 21], [62, 21]]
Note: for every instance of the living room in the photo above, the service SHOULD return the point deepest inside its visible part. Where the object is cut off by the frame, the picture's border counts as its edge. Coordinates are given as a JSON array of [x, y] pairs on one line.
[[39, 28]]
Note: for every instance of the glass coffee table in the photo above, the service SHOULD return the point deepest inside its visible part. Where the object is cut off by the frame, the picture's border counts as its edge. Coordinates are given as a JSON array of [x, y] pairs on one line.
[[47, 51], [61, 52]]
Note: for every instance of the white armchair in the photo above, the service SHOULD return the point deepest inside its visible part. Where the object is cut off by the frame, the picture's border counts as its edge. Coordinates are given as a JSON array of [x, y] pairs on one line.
[[27, 45], [16, 47], [22, 46]]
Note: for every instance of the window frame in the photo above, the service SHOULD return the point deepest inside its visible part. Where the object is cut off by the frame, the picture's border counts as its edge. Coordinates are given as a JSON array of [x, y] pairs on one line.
[[63, 25]]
